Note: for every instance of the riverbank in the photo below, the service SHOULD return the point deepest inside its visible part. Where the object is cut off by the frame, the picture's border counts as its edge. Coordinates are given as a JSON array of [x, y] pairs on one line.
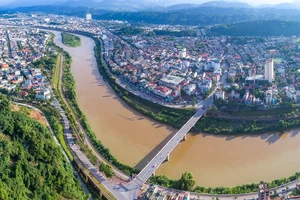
[[210, 141], [175, 117], [163, 180]]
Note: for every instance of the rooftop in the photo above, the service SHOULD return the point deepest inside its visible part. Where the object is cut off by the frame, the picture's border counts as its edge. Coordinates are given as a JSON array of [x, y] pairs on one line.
[[172, 79]]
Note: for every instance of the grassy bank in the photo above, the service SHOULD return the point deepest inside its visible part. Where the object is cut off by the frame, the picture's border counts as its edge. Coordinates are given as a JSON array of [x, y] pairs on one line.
[[70, 40], [70, 94], [170, 116], [206, 124], [54, 119], [167, 115]]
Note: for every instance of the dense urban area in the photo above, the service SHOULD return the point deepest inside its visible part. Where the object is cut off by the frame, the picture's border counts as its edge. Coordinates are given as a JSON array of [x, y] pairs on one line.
[[183, 68]]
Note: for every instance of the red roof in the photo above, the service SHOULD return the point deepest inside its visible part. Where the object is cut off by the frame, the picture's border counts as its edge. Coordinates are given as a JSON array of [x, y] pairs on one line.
[[162, 89], [4, 65]]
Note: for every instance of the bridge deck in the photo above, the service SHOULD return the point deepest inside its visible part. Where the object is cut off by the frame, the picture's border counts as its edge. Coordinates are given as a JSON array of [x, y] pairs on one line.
[[160, 157]]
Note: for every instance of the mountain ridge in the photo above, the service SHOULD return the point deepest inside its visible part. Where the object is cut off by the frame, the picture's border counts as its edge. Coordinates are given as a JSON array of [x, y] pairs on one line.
[[138, 5]]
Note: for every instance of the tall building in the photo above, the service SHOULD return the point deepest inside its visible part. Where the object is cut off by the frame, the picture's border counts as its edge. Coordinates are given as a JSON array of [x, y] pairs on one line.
[[88, 16], [269, 70], [182, 54], [263, 192]]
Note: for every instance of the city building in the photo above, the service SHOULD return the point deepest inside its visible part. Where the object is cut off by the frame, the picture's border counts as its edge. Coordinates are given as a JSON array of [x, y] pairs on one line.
[[45, 94], [268, 96], [190, 89], [219, 94], [182, 54], [291, 93], [263, 192], [162, 91], [88, 16], [205, 85], [171, 81], [269, 70]]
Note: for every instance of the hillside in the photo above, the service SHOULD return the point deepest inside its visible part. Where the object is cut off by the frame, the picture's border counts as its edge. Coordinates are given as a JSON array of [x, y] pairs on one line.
[[32, 165], [258, 28], [225, 4]]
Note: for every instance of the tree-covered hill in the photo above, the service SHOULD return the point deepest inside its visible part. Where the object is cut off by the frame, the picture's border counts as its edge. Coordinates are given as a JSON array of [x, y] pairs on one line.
[[32, 166], [198, 16], [258, 28]]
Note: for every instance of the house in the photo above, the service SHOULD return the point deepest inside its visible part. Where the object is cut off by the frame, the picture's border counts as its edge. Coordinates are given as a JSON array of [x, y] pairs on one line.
[[205, 85], [44, 94], [234, 94], [219, 94], [190, 89], [162, 91], [291, 93], [4, 67], [27, 84]]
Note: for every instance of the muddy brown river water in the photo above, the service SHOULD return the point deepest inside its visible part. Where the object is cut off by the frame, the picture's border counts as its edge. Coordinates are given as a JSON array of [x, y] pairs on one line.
[[133, 138]]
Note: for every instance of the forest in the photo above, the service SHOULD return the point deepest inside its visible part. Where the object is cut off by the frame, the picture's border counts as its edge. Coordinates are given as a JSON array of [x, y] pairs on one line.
[[201, 16], [32, 165], [258, 28]]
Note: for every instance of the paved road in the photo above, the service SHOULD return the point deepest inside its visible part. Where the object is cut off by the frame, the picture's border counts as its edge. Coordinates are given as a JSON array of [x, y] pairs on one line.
[[130, 190], [87, 141], [160, 157], [57, 142]]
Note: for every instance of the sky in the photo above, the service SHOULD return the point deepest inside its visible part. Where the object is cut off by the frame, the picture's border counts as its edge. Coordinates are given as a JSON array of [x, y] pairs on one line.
[[252, 2]]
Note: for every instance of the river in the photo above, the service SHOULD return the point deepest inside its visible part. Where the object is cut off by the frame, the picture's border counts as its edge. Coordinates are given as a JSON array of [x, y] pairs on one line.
[[133, 138]]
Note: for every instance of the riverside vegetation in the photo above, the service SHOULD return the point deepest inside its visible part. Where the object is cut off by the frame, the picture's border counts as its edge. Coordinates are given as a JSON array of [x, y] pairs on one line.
[[159, 113], [27, 169], [70, 40], [186, 181]]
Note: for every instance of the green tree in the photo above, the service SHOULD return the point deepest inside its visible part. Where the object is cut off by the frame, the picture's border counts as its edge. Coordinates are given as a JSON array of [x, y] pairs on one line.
[[186, 182]]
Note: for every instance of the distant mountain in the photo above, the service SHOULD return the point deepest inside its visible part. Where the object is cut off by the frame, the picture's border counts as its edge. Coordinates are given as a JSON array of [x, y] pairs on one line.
[[293, 5], [118, 5], [258, 28], [80, 3], [22, 3], [225, 4], [182, 6]]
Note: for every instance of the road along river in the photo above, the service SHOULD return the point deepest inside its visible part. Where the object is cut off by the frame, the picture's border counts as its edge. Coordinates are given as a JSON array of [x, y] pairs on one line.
[[133, 138]]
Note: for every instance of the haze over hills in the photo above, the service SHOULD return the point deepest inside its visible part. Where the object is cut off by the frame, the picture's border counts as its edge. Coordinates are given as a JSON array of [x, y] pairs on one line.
[[136, 5]]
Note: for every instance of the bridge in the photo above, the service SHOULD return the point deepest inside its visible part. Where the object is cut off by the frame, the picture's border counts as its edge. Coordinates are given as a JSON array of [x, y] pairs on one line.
[[164, 153]]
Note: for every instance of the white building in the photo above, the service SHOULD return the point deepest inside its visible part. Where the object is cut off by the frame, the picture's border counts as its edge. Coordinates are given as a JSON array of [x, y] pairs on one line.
[[291, 93], [190, 89], [88, 16], [45, 94], [205, 85], [171, 81], [182, 54], [219, 94], [269, 70], [235, 94], [268, 96]]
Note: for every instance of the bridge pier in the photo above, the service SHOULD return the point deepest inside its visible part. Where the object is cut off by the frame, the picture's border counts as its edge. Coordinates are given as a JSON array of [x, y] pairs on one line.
[[184, 138], [167, 158]]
